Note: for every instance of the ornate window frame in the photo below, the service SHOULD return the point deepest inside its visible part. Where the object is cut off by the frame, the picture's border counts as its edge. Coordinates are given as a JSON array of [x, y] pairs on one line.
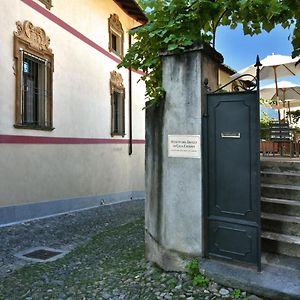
[[34, 42], [117, 86], [116, 35], [47, 3]]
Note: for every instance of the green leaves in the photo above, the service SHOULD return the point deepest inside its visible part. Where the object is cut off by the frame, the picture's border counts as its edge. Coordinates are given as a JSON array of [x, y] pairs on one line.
[[268, 26], [198, 278], [172, 47], [178, 24], [236, 293]]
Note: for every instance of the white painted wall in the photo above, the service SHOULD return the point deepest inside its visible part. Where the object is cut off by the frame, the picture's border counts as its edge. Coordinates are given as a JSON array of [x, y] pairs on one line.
[[35, 173], [81, 109], [81, 99]]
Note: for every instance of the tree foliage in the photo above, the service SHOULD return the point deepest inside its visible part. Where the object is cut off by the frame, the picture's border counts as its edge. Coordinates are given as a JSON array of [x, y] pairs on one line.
[[265, 121], [177, 24], [295, 115]]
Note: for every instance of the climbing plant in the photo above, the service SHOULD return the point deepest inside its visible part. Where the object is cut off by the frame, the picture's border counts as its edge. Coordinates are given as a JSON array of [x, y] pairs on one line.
[[178, 24]]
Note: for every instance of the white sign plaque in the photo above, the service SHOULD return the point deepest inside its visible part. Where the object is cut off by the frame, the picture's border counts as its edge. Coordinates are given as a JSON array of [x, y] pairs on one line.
[[187, 146]]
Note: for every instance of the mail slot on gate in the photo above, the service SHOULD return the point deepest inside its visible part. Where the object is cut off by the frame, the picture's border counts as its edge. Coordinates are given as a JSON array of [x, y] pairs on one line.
[[230, 135]]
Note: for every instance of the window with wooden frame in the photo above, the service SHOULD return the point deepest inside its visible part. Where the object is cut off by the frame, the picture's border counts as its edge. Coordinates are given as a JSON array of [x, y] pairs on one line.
[[116, 35], [117, 92], [47, 3], [34, 77]]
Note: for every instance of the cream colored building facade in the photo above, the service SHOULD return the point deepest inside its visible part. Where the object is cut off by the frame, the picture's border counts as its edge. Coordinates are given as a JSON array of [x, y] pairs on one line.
[[224, 77], [75, 152]]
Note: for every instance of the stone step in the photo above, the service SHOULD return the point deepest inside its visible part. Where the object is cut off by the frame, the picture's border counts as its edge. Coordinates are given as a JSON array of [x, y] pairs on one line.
[[280, 165], [282, 224], [271, 177], [281, 191], [280, 243], [280, 206]]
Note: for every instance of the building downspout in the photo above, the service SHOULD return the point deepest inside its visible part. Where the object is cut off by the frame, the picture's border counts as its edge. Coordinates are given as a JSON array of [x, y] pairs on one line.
[[130, 149], [130, 103]]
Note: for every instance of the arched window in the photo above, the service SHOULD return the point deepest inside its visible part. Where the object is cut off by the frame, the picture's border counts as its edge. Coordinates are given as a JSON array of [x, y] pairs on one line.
[[34, 82], [117, 92], [116, 35]]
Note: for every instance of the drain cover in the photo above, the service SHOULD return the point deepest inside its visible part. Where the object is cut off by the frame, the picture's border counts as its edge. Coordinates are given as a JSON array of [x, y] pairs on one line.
[[41, 254]]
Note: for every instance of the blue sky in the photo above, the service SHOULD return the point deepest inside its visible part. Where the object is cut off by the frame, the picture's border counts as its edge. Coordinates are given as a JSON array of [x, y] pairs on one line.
[[240, 50]]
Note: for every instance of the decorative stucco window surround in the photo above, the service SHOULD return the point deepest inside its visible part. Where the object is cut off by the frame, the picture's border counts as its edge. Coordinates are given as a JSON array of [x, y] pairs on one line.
[[116, 35], [34, 63], [47, 3], [117, 92]]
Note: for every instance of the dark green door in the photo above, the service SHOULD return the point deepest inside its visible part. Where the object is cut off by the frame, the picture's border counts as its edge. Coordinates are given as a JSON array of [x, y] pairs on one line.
[[233, 173]]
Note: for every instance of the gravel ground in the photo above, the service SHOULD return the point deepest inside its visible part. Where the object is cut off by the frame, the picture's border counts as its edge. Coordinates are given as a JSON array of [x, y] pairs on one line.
[[106, 261]]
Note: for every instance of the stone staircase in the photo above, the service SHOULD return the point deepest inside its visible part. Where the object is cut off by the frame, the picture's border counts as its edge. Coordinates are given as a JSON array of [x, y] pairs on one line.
[[280, 206]]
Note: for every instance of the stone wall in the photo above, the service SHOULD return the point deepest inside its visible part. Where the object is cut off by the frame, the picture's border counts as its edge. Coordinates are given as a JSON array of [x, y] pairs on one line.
[[174, 213]]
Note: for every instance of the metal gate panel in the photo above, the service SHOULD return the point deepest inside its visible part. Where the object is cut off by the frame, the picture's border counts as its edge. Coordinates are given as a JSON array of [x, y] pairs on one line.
[[233, 208]]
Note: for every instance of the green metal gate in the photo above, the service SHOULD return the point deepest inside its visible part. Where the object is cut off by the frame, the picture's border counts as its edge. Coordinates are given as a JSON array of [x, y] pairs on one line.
[[232, 164]]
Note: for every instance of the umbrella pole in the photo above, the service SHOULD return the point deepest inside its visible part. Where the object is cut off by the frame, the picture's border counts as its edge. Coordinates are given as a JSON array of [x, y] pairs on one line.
[[290, 117], [283, 100], [277, 94]]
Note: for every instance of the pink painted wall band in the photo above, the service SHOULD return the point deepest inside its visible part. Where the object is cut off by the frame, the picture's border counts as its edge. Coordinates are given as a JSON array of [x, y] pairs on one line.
[[23, 139], [72, 30]]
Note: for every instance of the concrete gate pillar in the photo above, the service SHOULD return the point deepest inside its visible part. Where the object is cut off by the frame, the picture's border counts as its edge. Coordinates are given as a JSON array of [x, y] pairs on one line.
[[173, 212]]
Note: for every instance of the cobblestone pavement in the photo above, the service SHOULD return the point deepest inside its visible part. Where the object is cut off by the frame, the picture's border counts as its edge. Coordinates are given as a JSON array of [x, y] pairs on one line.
[[63, 232], [106, 260]]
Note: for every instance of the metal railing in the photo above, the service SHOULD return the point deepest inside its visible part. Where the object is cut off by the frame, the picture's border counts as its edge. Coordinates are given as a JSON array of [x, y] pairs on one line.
[[270, 146]]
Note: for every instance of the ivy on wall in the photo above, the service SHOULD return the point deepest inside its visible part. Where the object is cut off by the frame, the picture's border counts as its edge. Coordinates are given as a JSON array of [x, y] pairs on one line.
[[178, 24]]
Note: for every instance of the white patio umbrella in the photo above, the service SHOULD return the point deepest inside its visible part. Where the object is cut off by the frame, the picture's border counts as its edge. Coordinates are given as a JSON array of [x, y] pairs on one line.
[[273, 66], [288, 92], [284, 66]]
